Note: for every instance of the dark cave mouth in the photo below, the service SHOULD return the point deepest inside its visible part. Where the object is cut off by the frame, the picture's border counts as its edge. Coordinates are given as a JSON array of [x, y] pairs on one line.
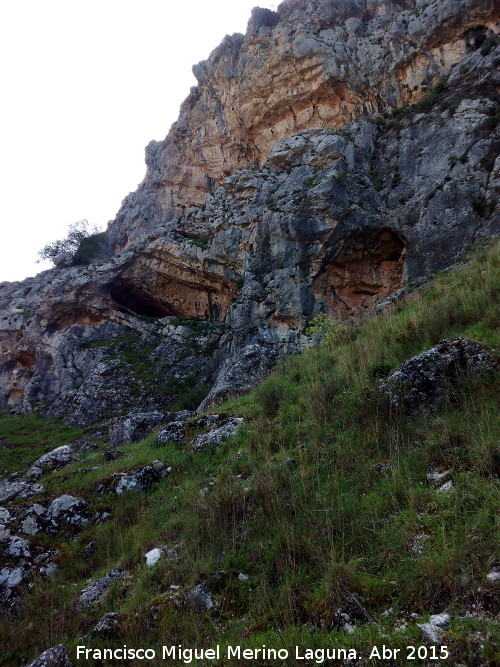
[[130, 299]]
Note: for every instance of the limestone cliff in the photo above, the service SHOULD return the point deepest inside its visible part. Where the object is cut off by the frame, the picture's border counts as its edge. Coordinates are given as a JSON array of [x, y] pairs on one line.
[[312, 63], [266, 205]]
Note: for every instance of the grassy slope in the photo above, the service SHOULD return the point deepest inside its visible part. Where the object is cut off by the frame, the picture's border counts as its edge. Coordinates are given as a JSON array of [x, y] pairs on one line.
[[25, 438], [318, 500]]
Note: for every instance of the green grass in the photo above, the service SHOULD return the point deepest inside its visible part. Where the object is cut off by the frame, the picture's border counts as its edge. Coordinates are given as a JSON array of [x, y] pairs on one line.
[[24, 438], [318, 500]]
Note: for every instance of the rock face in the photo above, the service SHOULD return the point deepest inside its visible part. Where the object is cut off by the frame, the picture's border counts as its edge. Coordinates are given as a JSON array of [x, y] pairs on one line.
[[134, 427], [301, 211], [309, 64]]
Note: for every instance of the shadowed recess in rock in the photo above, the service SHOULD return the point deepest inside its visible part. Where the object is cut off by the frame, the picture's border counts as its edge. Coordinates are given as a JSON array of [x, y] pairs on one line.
[[364, 268], [130, 298], [163, 297]]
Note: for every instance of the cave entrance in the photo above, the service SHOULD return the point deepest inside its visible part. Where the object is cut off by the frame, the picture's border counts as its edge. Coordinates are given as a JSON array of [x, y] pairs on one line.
[[364, 269], [130, 298]]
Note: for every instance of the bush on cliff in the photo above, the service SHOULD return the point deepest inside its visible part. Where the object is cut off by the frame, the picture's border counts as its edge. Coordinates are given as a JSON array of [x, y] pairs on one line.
[[82, 245]]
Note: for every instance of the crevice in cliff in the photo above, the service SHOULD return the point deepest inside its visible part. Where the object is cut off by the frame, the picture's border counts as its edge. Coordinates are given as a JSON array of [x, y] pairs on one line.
[[364, 269]]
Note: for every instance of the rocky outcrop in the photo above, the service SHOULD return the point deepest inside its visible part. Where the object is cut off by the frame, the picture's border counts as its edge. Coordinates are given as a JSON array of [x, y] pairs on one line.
[[56, 458], [216, 436], [93, 593], [309, 64], [174, 433], [20, 489], [107, 627], [141, 479], [134, 427], [53, 657], [423, 381]]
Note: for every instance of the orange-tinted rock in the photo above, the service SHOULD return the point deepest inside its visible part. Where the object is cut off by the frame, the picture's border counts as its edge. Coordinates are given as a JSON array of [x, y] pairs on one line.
[[314, 64]]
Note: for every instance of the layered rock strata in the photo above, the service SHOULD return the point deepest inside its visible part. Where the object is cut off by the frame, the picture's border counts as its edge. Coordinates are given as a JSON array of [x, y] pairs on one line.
[[312, 63]]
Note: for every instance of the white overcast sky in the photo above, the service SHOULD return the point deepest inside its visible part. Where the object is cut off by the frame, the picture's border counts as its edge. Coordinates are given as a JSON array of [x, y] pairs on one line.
[[84, 86]]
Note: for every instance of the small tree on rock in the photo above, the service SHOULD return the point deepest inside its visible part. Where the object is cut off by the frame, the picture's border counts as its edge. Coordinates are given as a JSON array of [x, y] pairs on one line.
[[67, 250]]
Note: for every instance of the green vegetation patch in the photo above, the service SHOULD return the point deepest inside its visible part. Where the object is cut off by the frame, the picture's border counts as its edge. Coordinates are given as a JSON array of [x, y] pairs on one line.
[[24, 438]]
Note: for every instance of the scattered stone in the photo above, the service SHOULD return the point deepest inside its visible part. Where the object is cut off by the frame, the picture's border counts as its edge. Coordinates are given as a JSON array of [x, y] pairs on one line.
[[14, 548], [107, 627], [32, 524], [446, 488], [101, 517], [68, 510], [142, 478], [437, 478], [93, 593], [382, 467], [56, 459], [423, 381], [53, 657], [243, 577], [349, 628], [173, 432], [440, 620], [493, 577], [217, 436], [199, 598], [19, 490], [416, 545], [431, 634], [10, 579], [153, 556], [49, 570], [342, 616], [89, 550], [172, 553], [112, 454]]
